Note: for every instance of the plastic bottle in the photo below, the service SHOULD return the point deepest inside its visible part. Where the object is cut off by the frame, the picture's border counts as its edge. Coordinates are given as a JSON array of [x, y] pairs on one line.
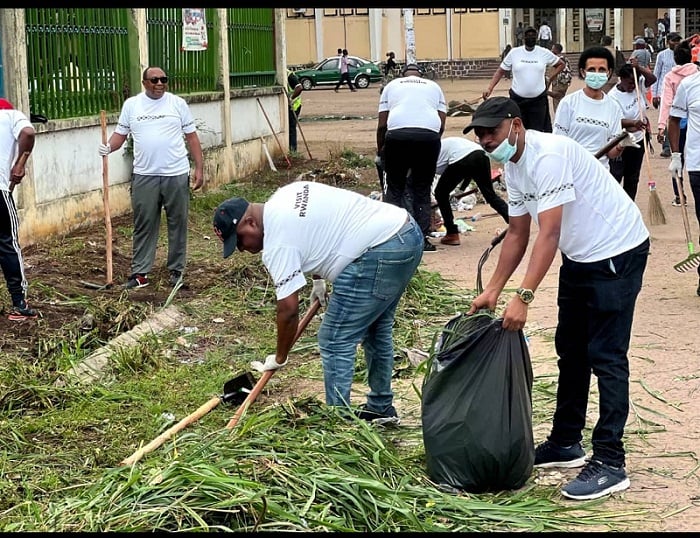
[[475, 217]]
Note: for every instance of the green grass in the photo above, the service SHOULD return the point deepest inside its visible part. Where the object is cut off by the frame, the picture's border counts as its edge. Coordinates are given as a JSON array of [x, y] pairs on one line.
[[295, 466]]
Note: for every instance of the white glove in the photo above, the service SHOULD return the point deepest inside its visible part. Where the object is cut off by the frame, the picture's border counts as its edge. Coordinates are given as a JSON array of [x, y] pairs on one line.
[[676, 165], [378, 160], [104, 149], [269, 364], [628, 142], [319, 291]]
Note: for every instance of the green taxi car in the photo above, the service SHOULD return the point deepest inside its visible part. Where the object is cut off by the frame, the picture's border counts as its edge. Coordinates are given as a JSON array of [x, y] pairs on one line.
[[327, 73]]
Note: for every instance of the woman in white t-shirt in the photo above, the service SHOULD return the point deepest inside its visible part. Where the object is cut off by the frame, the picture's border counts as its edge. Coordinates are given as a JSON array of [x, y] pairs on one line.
[[627, 167], [588, 115]]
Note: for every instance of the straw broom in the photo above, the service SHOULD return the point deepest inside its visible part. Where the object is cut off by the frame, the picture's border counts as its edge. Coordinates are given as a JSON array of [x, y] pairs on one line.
[[655, 209]]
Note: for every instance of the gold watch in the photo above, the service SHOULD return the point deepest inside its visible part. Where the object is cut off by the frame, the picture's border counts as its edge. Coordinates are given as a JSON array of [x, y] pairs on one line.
[[526, 295]]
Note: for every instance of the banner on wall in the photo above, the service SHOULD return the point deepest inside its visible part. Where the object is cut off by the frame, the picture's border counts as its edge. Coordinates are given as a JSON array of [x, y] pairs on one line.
[[194, 29], [595, 18]]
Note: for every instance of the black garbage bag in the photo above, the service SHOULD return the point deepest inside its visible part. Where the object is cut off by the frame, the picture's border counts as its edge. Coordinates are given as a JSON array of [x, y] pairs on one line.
[[477, 408]]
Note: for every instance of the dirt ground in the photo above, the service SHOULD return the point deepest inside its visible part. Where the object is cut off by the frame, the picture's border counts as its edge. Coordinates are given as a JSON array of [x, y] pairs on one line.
[[663, 433]]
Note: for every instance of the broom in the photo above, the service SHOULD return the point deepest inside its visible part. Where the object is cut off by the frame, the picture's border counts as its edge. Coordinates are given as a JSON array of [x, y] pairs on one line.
[[655, 209]]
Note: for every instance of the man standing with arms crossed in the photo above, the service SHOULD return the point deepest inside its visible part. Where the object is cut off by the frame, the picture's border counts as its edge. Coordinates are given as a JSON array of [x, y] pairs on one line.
[[159, 122], [412, 113], [580, 210]]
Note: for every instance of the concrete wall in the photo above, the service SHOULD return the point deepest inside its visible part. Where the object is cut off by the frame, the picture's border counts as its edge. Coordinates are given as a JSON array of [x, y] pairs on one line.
[[63, 186]]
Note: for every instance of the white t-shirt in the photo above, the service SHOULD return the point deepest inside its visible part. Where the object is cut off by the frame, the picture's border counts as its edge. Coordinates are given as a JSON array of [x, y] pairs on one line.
[[630, 105], [599, 220], [453, 149], [11, 124], [313, 228], [591, 122], [413, 102], [545, 32], [686, 104], [157, 126], [529, 68]]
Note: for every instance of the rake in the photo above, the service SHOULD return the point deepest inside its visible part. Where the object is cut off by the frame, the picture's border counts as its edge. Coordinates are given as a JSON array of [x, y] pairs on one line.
[[693, 259]]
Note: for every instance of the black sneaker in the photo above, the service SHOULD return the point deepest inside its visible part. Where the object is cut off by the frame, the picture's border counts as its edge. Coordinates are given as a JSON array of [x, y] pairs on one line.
[[175, 277], [548, 454], [428, 246], [136, 281], [387, 418], [22, 312], [595, 480]]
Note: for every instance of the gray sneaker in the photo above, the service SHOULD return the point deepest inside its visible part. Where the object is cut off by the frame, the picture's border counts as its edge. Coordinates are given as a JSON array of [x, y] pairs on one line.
[[596, 480], [550, 454], [388, 418], [175, 277]]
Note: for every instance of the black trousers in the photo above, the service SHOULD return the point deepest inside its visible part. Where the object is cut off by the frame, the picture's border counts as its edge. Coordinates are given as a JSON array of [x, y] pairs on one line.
[[416, 150], [476, 166], [344, 77], [10, 252], [535, 111], [293, 118], [627, 167]]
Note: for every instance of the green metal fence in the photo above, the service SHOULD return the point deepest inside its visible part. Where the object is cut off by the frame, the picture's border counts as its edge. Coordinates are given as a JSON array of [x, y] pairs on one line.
[[188, 70], [77, 60], [251, 39]]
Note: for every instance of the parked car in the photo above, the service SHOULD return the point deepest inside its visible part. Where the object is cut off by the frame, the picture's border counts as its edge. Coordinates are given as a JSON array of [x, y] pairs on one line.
[[327, 72]]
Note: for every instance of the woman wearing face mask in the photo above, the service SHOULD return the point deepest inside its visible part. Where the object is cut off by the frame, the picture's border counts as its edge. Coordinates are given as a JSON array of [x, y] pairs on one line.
[[528, 66], [588, 115]]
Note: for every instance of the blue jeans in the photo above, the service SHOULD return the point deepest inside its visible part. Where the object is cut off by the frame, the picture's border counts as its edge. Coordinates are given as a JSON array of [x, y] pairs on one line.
[[596, 306], [361, 309]]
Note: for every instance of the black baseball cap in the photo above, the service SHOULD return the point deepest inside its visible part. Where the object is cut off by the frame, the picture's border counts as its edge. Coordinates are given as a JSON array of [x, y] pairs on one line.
[[226, 218], [492, 112], [674, 36], [411, 67]]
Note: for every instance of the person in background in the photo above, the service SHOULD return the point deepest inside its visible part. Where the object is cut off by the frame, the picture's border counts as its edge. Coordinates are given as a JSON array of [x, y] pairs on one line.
[[460, 161], [16, 138], [685, 106], [519, 30], [648, 35], [641, 52], [561, 84], [683, 68], [389, 69], [664, 64], [544, 35], [660, 34], [582, 212], [411, 120], [528, 65], [344, 72], [588, 115], [294, 89], [627, 167], [345, 238], [607, 42], [505, 52], [157, 121]]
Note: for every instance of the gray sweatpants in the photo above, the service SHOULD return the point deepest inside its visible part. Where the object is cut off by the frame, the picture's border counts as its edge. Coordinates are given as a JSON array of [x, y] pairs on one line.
[[149, 195]]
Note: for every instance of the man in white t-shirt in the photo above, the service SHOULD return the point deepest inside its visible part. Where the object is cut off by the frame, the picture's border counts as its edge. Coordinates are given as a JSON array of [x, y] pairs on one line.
[[411, 120], [157, 120], [528, 65], [686, 104], [334, 234], [460, 161], [582, 212], [544, 35], [16, 138]]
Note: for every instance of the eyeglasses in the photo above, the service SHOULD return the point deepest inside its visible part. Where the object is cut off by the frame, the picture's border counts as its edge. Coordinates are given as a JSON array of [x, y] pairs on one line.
[[154, 80]]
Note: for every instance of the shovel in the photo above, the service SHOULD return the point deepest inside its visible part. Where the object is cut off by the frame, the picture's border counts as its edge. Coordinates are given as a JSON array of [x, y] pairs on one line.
[[235, 391], [268, 373]]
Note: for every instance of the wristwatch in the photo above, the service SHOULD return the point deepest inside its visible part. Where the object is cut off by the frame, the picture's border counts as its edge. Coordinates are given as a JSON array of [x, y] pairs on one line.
[[526, 296]]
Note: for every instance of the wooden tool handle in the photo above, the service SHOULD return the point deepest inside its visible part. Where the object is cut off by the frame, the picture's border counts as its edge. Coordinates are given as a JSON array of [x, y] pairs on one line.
[[105, 200], [611, 144]]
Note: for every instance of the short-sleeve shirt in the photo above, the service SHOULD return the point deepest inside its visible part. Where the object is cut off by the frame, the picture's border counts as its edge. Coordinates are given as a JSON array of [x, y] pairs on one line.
[[157, 126], [413, 102], [630, 105], [528, 68], [453, 149], [591, 122], [686, 104], [313, 228], [11, 124], [599, 220]]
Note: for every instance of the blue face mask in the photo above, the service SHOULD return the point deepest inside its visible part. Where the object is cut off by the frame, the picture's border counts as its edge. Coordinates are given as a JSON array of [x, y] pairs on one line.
[[596, 80], [505, 150]]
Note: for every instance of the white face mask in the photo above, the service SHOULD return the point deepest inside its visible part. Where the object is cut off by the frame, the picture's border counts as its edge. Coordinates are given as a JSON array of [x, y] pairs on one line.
[[505, 150], [596, 80]]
